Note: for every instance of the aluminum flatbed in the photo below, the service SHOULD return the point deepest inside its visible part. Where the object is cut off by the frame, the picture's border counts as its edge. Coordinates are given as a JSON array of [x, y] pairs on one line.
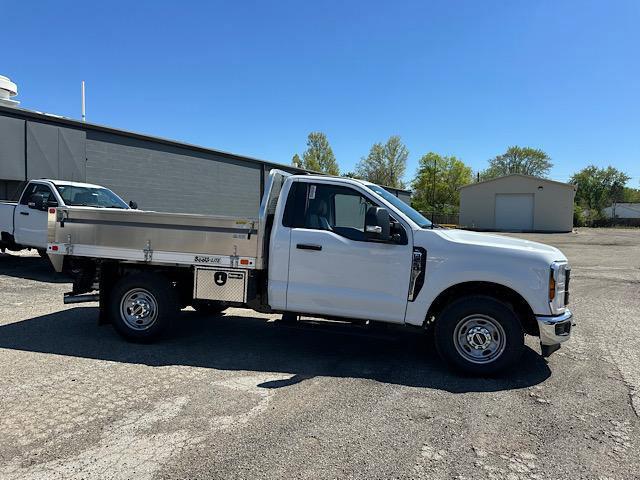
[[153, 237]]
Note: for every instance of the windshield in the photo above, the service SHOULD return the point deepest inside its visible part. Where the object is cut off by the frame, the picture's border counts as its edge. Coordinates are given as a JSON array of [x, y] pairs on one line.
[[400, 205], [90, 197]]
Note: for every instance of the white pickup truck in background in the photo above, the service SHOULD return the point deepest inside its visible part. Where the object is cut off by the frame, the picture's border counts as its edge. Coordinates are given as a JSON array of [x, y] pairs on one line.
[[322, 246], [23, 224]]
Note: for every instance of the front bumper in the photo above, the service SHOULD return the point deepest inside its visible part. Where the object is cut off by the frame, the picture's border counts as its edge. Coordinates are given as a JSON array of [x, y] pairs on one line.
[[554, 330]]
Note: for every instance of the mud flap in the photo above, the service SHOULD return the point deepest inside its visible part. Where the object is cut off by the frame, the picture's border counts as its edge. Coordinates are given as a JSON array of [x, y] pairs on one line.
[[547, 350]]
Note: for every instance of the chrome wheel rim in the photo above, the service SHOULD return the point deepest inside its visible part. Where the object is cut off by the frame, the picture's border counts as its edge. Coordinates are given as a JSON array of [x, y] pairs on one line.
[[139, 309], [479, 338]]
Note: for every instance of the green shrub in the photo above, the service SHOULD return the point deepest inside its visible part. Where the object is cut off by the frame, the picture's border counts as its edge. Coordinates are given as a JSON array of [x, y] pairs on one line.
[[578, 216]]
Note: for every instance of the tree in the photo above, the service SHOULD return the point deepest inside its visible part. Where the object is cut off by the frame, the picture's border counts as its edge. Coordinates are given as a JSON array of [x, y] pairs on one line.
[[524, 160], [296, 161], [631, 195], [385, 164], [351, 174], [598, 188], [436, 186], [319, 156]]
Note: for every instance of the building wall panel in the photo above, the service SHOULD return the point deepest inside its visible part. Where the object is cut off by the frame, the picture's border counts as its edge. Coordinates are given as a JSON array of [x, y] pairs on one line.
[[42, 151], [12, 163], [171, 179], [72, 154]]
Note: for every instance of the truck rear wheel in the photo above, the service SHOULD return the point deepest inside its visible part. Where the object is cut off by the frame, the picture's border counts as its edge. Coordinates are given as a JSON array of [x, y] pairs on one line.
[[142, 306], [479, 335]]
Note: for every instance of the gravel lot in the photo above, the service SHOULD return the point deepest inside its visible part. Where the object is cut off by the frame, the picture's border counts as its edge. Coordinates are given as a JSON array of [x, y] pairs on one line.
[[242, 396]]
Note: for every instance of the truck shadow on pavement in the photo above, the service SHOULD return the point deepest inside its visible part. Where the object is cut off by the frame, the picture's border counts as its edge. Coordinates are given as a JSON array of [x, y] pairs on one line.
[[30, 268], [248, 343]]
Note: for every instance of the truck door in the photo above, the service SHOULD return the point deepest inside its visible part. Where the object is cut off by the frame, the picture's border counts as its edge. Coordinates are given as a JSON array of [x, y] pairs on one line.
[[334, 269], [30, 224]]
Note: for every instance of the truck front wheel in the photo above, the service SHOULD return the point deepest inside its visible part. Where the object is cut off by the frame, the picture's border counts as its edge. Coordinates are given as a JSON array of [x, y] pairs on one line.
[[142, 306], [479, 335]]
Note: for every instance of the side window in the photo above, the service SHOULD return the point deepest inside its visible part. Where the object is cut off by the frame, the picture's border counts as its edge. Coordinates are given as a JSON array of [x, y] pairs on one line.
[[293, 216], [26, 196], [47, 195], [341, 210], [350, 210]]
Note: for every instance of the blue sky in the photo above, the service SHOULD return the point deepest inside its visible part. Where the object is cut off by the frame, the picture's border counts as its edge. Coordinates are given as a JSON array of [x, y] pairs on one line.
[[464, 78]]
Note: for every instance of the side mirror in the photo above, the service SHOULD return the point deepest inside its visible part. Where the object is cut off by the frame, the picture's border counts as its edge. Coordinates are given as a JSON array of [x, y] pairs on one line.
[[377, 224], [133, 205], [398, 234], [36, 202]]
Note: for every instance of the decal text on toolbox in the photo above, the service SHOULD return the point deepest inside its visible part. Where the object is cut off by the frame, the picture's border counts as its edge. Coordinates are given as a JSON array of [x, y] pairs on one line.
[[204, 259]]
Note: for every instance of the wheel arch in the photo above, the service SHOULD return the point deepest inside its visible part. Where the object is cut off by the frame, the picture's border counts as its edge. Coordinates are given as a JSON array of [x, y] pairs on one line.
[[500, 292]]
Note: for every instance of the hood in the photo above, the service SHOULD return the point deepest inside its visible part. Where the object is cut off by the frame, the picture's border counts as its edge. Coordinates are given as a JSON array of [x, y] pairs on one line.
[[500, 242]]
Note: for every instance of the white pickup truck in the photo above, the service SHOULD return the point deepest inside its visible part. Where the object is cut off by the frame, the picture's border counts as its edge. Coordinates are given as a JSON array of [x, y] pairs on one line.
[[23, 224], [326, 247]]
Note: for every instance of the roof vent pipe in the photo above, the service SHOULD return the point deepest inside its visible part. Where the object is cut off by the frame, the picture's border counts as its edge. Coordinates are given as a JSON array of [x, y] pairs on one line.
[[8, 89]]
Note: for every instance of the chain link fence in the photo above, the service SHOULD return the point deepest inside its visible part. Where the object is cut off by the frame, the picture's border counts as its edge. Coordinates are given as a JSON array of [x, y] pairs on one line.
[[442, 218]]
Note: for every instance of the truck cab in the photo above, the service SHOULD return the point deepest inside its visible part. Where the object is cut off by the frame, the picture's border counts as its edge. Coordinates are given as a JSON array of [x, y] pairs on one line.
[[24, 224], [336, 250]]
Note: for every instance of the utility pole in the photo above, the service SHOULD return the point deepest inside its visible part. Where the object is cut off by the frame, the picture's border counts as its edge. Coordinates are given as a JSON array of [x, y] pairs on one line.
[[84, 116], [433, 193]]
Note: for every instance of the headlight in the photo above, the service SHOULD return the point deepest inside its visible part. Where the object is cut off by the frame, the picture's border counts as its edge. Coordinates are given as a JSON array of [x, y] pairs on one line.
[[557, 286]]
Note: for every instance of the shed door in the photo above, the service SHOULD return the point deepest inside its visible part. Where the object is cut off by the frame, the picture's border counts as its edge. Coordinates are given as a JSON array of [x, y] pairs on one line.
[[514, 211]]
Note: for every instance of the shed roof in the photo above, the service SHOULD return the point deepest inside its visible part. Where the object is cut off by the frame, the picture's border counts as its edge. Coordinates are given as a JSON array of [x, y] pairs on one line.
[[529, 177]]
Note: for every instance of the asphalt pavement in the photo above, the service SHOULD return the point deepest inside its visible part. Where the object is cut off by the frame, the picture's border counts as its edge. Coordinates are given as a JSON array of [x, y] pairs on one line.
[[244, 396]]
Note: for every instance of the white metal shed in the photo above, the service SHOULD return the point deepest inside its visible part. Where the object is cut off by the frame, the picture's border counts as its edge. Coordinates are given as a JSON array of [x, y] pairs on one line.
[[518, 203]]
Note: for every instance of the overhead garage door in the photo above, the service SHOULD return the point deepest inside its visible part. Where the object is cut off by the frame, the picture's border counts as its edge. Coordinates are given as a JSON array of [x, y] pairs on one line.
[[514, 211]]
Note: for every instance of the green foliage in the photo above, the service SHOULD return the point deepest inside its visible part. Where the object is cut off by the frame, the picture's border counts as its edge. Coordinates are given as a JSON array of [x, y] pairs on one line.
[[630, 195], [524, 160], [351, 175], [436, 186], [319, 156], [296, 161], [598, 188], [385, 164], [578, 216]]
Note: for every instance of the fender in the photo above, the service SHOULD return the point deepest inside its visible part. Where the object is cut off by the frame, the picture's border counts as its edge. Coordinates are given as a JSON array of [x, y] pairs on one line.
[[450, 264]]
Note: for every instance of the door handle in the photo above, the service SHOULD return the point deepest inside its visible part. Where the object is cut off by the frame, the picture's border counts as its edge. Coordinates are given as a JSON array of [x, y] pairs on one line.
[[24, 213], [307, 246]]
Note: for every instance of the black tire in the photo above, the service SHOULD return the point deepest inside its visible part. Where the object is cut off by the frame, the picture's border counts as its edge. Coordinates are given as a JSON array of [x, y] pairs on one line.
[[142, 289], [496, 345], [208, 307]]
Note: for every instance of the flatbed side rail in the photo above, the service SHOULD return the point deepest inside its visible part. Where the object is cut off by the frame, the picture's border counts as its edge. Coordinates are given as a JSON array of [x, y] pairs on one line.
[[152, 237]]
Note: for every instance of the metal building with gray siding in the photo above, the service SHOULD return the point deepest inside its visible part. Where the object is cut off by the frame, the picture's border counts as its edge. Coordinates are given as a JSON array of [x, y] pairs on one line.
[[159, 174], [517, 203]]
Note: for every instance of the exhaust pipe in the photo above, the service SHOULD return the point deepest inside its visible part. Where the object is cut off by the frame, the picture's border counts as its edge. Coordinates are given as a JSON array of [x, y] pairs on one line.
[[69, 298]]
